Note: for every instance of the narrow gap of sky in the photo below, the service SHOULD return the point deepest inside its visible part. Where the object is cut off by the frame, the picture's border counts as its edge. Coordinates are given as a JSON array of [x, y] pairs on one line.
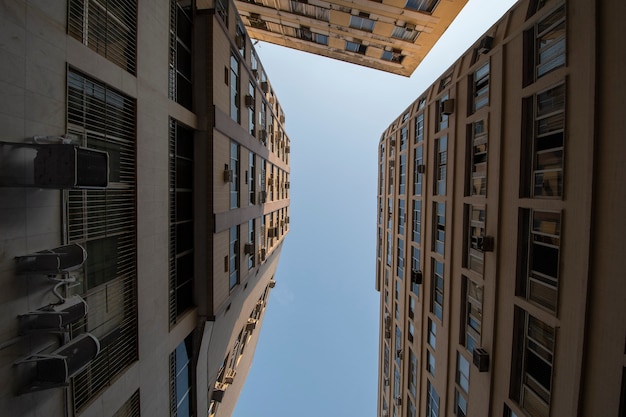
[[317, 353]]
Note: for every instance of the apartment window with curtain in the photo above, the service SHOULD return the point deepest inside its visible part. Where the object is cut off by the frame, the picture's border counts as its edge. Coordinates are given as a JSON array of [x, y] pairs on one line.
[[251, 109], [400, 259], [103, 221], [235, 81], [234, 168], [545, 46], [402, 175], [362, 22], [533, 363], [181, 380], [233, 256], [539, 259], [417, 221], [417, 166], [108, 27], [180, 65], [181, 196], [477, 154], [543, 138]]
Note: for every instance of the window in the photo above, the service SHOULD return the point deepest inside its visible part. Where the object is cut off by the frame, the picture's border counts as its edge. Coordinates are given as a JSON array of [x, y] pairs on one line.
[[432, 334], [411, 332], [411, 307], [462, 385], [475, 227], [181, 28], [251, 109], [362, 22], [432, 401], [235, 100], [430, 362], [412, 379], [388, 249], [356, 47], [417, 166], [531, 370], [233, 256], [234, 168], [439, 235], [508, 412], [417, 221], [181, 248], [221, 9], [415, 266], [402, 175], [304, 33], [104, 222], [419, 127], [404, 132], [545, 46], [400, 260], [107, 27], [477, 152], [539, 257], [251, 241], [436, 298], [404, 33], [240, 39], [251, 178], [389, 212], [426, 6], [401, 217], [130, 408], [480, 88], [441, 164], [302, 7], [442, 117], [472, 310], [543, 140], [181, 380]]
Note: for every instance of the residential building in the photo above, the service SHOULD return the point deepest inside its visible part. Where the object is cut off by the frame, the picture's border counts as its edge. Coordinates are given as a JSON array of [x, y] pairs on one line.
[[153, 143], [500, 229], [389, 35]]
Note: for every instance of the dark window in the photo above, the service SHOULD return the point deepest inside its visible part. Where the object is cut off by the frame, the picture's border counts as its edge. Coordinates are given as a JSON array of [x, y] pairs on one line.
[[181, 27]]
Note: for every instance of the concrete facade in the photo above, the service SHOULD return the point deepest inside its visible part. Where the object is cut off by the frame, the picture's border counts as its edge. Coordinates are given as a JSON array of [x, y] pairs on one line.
[[198, 233], [498, 265], [388, 35]]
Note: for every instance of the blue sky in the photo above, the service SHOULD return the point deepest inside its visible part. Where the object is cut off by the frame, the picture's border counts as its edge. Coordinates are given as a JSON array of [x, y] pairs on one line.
[[317, 353]]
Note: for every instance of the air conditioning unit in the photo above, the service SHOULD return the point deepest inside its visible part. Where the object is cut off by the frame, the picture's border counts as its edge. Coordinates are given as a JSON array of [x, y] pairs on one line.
[[417, 277], [272, 283], [421, 168], [262, 254], [485, 44], [393, 142], [481, 359], [259, 305], [255, 73], [447, 106], [229, 376], [228, 175], [270, 181], [392, 164], [262, 197], [263, 135], [240, 41], [288, 149], [485, 243], [272, 100], [386, 382], [272, 232], [217, 395], [251, 325], [409, 27], [287, 185], [399, 401], [249, 100], [265, 87], [248, 248], [282, 118]]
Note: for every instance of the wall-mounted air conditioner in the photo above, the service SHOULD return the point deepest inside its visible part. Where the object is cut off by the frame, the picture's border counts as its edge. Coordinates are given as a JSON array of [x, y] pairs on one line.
[[417, 277], [248, 248], [272, 283], [251, 325], [240, 41], [480, 358], [228, 175], [249, 100], [229, 376], [447, 106], [485, 243], [265, 87], [421, 169]]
